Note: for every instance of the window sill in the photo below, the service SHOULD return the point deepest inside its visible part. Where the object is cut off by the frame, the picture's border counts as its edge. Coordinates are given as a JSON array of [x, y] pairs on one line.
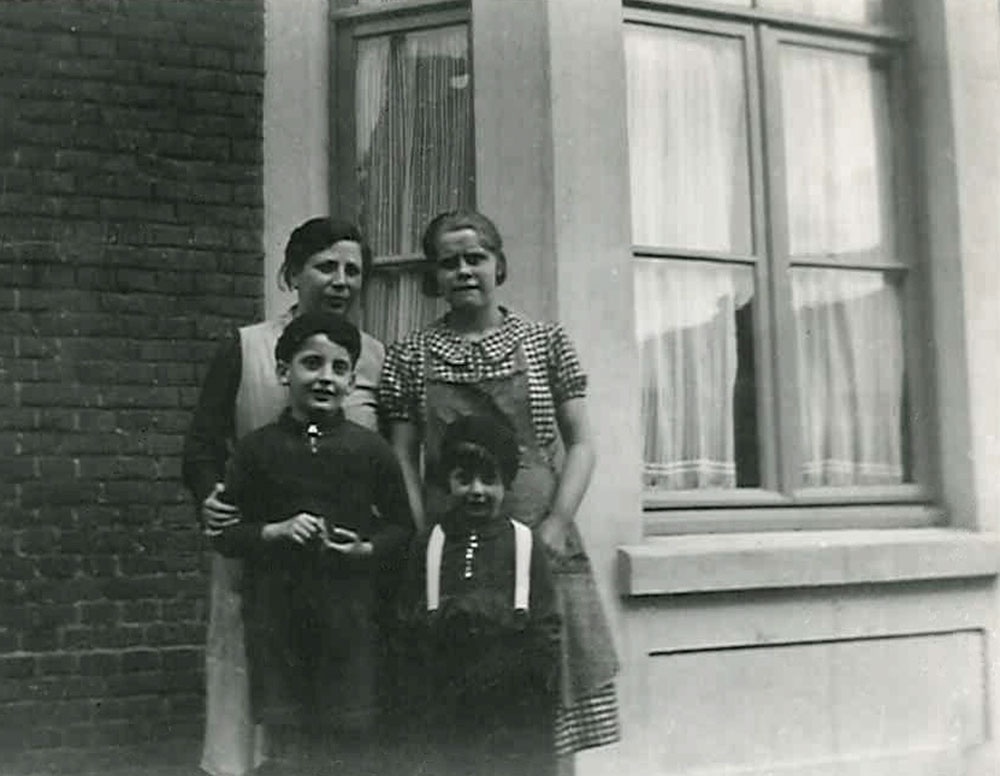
[[745, 561]]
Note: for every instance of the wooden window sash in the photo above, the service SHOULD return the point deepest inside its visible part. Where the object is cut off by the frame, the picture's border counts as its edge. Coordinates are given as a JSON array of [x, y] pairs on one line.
[[774, 325], [891, 32]]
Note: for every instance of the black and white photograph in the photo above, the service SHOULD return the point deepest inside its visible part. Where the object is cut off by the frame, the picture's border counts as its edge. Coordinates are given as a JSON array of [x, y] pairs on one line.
[[499, 387]]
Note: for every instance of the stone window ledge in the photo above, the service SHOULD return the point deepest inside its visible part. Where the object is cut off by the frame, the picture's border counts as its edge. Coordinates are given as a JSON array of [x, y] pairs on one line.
[[751, 561]]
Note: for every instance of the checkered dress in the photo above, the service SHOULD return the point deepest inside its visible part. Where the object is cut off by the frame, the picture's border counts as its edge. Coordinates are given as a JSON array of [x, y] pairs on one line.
[[554, 371], [554, 376]]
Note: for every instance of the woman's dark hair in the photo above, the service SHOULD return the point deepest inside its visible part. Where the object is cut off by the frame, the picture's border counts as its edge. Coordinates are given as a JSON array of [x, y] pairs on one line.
[[315, 235], [451, 221]]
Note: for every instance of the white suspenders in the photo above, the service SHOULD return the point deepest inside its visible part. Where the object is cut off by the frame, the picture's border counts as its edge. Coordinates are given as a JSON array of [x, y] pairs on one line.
[[522, 566]]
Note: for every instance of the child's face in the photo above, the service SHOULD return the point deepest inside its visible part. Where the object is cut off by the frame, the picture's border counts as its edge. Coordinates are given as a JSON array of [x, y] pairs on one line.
[[319, 377], [475, 484]]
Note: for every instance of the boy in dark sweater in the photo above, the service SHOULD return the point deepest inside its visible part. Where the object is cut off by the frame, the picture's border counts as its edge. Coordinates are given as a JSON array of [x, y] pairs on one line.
[[479, 622], [325, 514]]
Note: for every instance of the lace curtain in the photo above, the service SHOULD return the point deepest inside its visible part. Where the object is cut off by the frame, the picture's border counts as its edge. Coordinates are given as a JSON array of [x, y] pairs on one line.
[[690, 190], [848, 323], [414, 155]]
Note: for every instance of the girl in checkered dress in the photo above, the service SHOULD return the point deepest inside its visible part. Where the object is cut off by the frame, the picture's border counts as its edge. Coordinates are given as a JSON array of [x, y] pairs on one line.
[[481, 358]]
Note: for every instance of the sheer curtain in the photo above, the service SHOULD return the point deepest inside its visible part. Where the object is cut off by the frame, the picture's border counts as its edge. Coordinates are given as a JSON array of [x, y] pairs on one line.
[[414, 156], [686, 326], [687, 140], [849, 333], [850, 368]]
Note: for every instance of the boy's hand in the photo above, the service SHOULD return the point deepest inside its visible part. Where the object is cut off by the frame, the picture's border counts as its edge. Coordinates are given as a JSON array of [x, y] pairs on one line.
[[300, 529], [347, 542], [217, 514]]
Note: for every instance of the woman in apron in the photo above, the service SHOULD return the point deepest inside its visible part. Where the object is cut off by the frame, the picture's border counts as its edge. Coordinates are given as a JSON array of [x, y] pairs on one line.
[[325, 263], [481, 358]]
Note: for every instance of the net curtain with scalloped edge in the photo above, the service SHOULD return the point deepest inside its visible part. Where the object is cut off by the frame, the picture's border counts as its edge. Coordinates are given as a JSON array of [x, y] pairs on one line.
[[414, 153]]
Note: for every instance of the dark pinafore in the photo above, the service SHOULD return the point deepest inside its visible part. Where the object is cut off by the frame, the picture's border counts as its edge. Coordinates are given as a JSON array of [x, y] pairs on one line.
[[587, 714]]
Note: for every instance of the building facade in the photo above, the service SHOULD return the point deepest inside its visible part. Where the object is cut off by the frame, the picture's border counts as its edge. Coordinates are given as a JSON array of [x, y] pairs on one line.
[[778, 213], [771, 227]]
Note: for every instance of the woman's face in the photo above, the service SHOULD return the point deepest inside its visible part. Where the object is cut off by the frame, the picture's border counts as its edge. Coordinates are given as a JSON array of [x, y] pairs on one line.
[[466, 271], [331, 279]]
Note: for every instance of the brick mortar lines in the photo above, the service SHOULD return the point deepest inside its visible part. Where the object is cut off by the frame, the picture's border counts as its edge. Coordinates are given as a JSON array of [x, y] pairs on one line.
[[136, 242]]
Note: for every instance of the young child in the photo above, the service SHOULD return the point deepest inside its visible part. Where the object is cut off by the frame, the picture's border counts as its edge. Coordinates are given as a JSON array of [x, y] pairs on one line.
[[324, 514], [479, 618]]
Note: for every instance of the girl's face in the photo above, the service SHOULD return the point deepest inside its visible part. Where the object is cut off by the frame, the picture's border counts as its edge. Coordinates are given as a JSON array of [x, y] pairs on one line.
[[475, 484], [466, 271], [330, 279]]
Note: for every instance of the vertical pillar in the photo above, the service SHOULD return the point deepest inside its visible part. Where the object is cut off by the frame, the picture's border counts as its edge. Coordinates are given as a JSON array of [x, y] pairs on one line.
[[296, 128], [592, 238], [512, 111], [958, 99]]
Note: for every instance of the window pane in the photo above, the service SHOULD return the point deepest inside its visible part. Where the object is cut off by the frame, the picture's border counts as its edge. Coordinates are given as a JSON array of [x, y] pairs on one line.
[[694, 326], [838, 165], [855, 11], [688, 140], [363, 3], [849, 348], [414, 133], [394, 304]]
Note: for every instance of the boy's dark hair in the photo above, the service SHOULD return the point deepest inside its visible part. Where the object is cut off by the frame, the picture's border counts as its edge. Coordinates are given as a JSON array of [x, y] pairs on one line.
[[493, 434], [315, 235], [337, 328]]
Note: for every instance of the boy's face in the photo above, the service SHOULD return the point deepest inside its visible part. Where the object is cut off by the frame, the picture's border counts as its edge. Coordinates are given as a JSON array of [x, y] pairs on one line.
[[475, 484], [319, 377]]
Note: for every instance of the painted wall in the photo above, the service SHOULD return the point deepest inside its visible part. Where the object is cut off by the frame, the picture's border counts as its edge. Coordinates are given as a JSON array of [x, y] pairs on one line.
[[810, 653], [296, 129]]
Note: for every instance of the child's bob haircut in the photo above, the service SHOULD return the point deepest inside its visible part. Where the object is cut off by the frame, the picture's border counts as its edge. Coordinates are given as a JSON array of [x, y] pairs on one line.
[[492, 435], [452, 221], [337, 328]]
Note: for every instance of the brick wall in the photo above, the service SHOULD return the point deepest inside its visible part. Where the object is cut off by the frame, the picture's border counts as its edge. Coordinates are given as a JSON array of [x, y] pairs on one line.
[[130, 234]]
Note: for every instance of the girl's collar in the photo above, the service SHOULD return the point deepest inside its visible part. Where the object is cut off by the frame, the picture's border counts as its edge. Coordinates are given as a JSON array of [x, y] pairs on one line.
[[496, 345]]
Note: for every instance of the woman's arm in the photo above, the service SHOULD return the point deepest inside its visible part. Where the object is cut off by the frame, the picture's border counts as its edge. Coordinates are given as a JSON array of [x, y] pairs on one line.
[[574, 426], [212, 424], [405, 441], [398, 391]]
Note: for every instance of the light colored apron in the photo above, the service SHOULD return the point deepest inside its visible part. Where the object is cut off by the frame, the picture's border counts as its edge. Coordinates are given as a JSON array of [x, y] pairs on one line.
[[233, 744], [589, 661]]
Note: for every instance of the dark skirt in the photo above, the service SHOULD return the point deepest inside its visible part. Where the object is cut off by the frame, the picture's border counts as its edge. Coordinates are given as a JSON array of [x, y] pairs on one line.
[[481, 704], [313, 651]]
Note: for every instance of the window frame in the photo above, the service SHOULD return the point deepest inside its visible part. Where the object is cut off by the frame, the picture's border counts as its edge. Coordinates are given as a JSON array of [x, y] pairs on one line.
[[349, 23], [776, 504]]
